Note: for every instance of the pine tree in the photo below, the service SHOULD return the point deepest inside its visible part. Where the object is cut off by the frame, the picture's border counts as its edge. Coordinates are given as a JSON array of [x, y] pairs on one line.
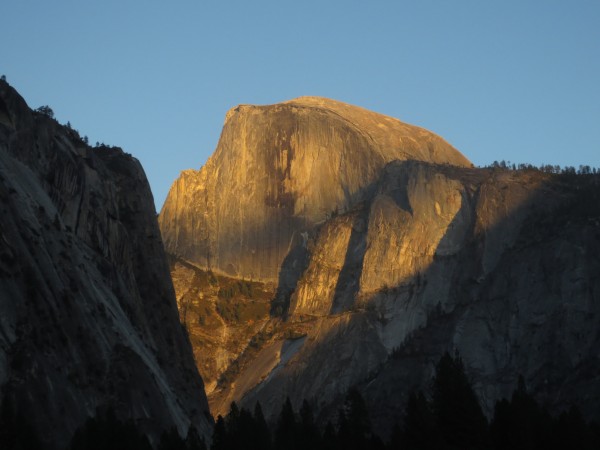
[[329, 441], [355, 426], [521, 423], [170, 440], [15, 430], [220, 437], [262, 432], [571, 431], [232, 424], [285, 430], [193, 441], [107, 431], [419, 424], [245, 439], [458, 415], [308, 431]]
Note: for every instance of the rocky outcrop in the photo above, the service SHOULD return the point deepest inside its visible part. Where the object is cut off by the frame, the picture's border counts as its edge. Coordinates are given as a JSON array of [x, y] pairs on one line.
[[222, 315], [88, 317], [277, 172], [501, 266], [387, 254]]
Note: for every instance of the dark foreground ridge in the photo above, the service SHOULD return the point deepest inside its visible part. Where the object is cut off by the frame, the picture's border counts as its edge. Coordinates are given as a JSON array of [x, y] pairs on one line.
[[88, 318]]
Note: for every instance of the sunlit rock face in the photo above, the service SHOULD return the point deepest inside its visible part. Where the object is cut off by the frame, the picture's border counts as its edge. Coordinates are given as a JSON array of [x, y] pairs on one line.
[[222, 316], [88, 317], [277, 172], [387, 255]]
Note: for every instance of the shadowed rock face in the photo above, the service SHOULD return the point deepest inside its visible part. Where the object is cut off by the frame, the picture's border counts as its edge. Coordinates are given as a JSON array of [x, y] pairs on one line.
[[502, 266], [277, 172], [88, 316]]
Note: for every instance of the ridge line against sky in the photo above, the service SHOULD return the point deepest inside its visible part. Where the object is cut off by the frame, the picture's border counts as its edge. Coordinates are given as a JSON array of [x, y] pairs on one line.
[[513, 80]]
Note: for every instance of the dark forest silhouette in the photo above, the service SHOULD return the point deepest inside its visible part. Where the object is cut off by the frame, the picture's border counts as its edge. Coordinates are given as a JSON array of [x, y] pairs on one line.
[[447, 417]]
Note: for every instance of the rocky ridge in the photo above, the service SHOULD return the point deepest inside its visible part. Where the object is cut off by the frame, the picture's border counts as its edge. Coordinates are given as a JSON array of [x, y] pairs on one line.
[[392, 258], [88, 317]]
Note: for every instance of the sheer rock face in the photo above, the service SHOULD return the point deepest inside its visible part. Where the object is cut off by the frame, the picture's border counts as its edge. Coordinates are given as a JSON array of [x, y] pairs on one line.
[[277, 172], [88, 318], [501, 266], [383, 264]]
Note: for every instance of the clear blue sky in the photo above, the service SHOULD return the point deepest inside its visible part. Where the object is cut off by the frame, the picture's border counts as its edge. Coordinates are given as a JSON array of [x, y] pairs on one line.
[[513, 80]]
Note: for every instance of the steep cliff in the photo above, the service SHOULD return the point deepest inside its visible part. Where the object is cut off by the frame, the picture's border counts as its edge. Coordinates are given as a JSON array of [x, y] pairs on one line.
[[386, 254], [501, 266], [277, 172], [88, 316]]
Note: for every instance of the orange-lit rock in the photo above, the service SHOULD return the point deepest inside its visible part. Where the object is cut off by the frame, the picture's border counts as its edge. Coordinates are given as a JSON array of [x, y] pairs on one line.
[[277, 172], [386, 249]]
